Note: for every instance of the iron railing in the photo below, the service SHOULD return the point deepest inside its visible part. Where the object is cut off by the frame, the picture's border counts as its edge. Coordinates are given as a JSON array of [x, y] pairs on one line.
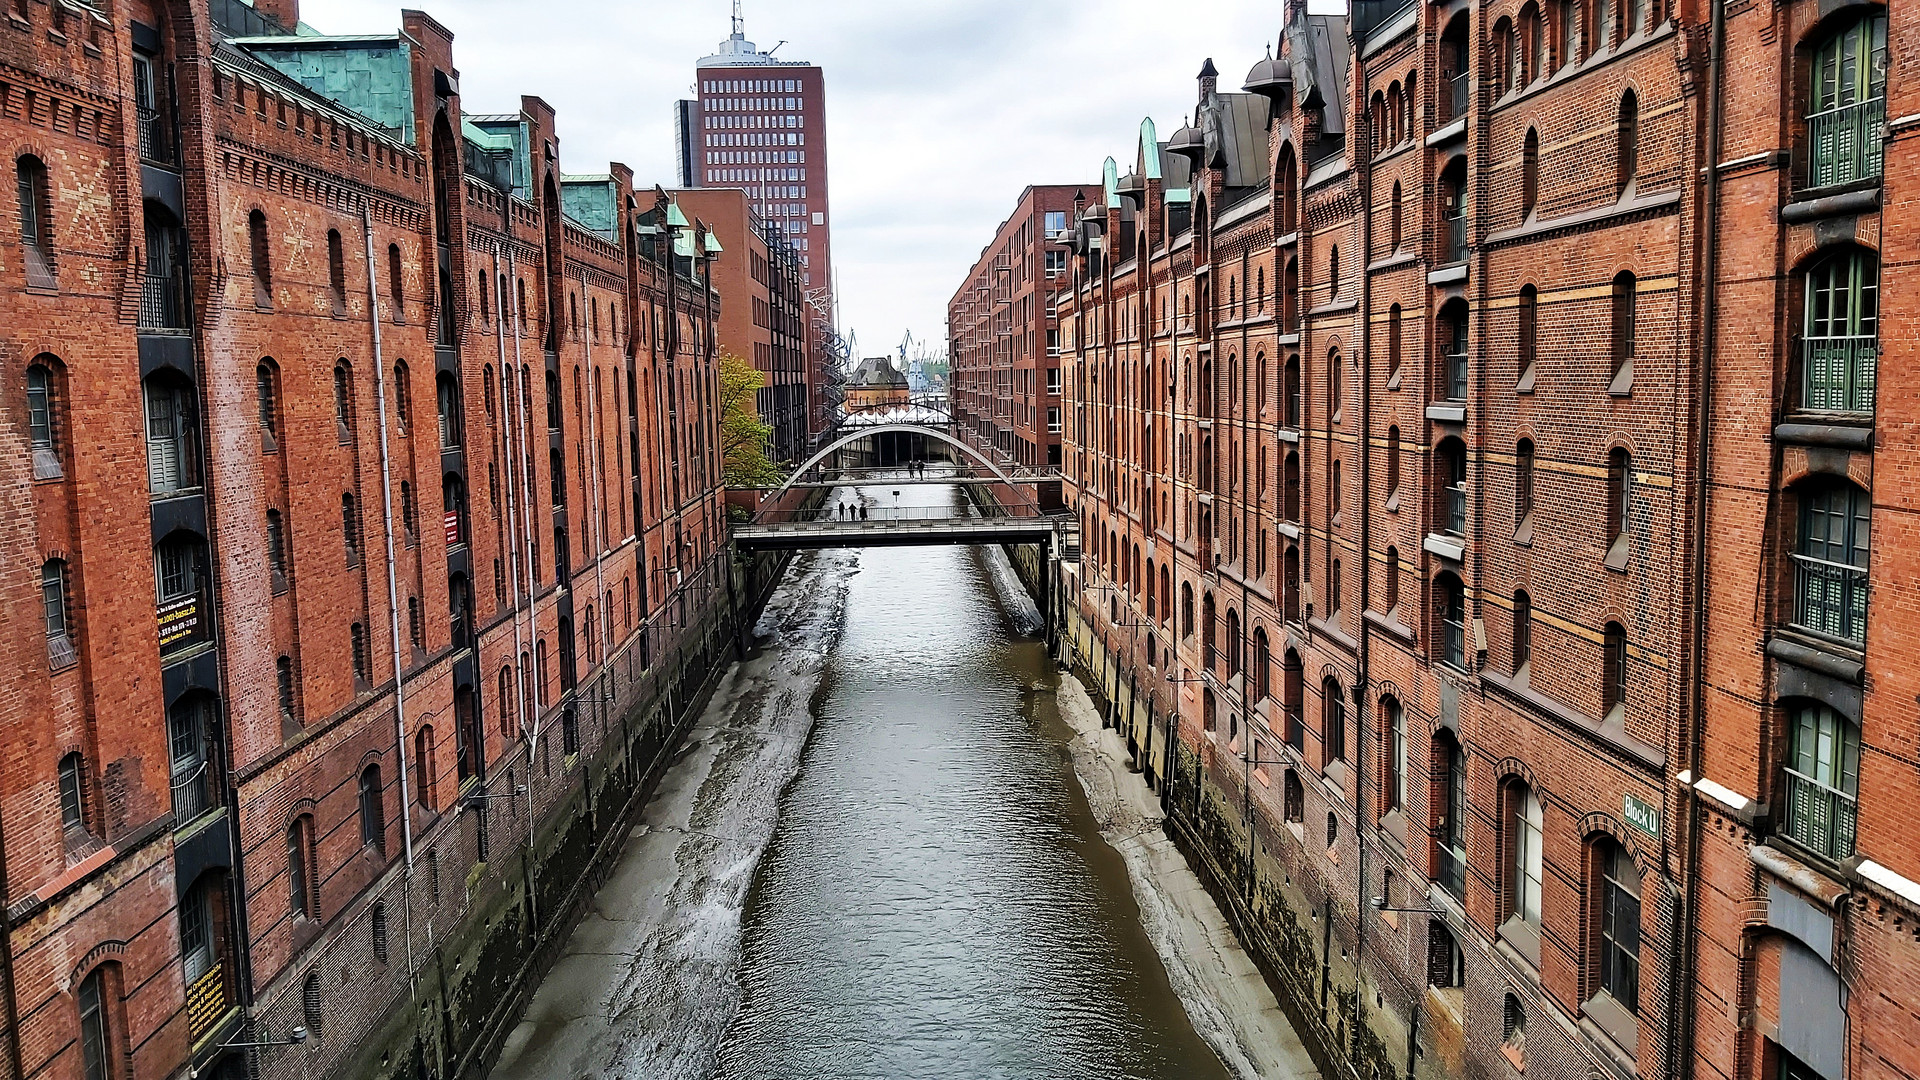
[[1456, 376], [1840, 372], [163, 299], [1845, 143], [1456, 239], [1830, 598], [1456, 507], [1453, 869], [155, 147], [1459, 88], [1453, 641], [1819, 818]]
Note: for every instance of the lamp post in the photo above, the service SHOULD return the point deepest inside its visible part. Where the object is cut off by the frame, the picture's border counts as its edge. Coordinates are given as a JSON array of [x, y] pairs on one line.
[[294, 1038]]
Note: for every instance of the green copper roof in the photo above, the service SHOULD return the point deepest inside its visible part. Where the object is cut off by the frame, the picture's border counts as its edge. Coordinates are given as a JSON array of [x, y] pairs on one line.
[[1179, 195], [370, 76], [676, 219], [1149, 149], [1112, 183], [591, 201], [503, 141], [683, 245], [713, 244]]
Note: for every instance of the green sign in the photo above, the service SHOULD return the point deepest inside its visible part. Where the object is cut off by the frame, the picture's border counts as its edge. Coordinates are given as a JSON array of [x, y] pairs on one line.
[[1642, 816]]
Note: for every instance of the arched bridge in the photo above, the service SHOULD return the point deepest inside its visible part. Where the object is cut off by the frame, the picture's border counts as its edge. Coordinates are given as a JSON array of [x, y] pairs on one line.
[[1010, 515]]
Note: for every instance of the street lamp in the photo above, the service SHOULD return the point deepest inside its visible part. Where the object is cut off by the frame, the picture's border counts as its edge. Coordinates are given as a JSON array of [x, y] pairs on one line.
[[294, 1038]]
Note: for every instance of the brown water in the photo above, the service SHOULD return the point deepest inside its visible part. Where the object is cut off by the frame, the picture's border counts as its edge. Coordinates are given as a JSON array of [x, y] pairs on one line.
[[936, 900]]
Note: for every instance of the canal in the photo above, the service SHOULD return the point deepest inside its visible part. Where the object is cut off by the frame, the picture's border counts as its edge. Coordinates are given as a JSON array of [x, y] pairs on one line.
[[874, 860]]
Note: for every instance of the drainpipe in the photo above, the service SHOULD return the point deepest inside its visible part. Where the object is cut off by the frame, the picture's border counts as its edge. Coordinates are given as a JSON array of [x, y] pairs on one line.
[[1362, 675], [529, 731], [386, 521], [1680, 1057], [12, 1007], [507, 379], [593, 475]]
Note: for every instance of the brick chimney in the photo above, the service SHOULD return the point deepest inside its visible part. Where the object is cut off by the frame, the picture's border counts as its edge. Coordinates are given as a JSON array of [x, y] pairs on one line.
[[284, 12]]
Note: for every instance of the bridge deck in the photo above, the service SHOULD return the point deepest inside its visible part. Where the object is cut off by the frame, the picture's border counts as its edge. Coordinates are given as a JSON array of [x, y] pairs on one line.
[[892, 532]]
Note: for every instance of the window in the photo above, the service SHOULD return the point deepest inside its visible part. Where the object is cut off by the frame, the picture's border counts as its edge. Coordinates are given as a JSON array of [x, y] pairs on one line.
[[1619, 502], [1822, 781], [1450, 815], [191, 727], [1186, 610], [1333, 274], [1450, 608], [1293, 798], [1393, 341], [1847, 104], [179, 567], [378, 924], [1453, 210], [373, 814], [1522, 631], [1569, 18], [1393, 459], [173, 435], [1522, 484], [1613, 669], [310, 1001], [426, 764], [283, 678], [1394, 789], [362, 662], [396, 289], [447, 402], [265, 381], [1291, 694], [1841, 337], [1333, 708], [1603, 24], [1618, 939], [336, 273], [163, 297], [1830, 561], [96, 1036], [43, 406], [1446, 965], [262, 262], [1450, 464], [1209, 651], [36, 221], [55, 603], [1452, 341], [1526, 825], [1390, 583], [350, 529], [73, 792], [1530, 175], [343, 400], [1626, 167], [277, 548], [301, 879], [1208, 718], [1396, 220], [1262, 665], [1513, 1025]]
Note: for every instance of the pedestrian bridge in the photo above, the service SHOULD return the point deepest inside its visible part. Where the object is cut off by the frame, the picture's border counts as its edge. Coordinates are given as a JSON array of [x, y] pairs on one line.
[[821, 527]]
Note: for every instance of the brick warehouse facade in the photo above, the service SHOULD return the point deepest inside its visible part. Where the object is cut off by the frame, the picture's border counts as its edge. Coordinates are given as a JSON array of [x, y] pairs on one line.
[[1003, 336], [1472, 430], [268, 294], [765, 320]]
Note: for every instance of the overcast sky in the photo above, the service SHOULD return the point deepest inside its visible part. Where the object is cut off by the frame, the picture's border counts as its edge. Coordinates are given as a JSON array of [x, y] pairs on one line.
[[938, 111]]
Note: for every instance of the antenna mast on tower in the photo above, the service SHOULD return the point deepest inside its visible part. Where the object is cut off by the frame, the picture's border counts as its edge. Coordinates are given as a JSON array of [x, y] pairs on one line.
[[739, 24]]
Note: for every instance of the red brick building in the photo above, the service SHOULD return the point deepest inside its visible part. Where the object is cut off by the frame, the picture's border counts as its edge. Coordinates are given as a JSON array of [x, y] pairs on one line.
[[275, 302], [759, 124], [1472, 429], [1004, 339], [764, 320]]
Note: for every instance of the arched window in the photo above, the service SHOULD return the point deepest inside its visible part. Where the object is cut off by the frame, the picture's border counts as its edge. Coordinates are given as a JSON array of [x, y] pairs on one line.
[[1453, 211], [1840, 343], [1522, 631], [1525, 823], [99, 1016], [1209, 719], [286, 696], [1286, 188], [373, 811], [336, 273], [73, 793], [1262, 665], [1390, 581], [1290, 297], [1613, 668], [396, 286], [1500, 59], [267, 392], [1451, 339], [1530, 175], [1625, 330], [1393, 723], [426, 764], [1449, 810], [192, 730], [1830, 560], [1513, 1025], [57, 606], [1293, 403], [553, 401], [1627, 136], [1450, 611], [1333, 719], [1393, 341], [36, 220], [343, 400], [1604, 24], [1616, 938], [1396, 219], [310, 1000], [1569, 22], [362, 661], [1290, 484], [1522, 485], [262, 261], [1292, 699], [1333, 273], [1209, 641], [1233, 642], [43, 418], [1533, 44], [173, 434], [447, 402], [350, 528], [1450, 474], [1847, 103], [1821, 781], [1293, 798], [1619, 501], [1186, 610], [302, 881]]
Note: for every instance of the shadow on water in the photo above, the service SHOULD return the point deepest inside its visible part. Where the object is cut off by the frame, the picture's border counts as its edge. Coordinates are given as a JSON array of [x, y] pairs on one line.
[[937, 900]]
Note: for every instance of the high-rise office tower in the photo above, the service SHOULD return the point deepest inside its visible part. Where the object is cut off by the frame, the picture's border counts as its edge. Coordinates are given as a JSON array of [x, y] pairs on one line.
[[760, 124]]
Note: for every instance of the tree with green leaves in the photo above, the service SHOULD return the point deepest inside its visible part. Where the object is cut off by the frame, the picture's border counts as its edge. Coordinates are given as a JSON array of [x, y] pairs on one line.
[[743, 435]]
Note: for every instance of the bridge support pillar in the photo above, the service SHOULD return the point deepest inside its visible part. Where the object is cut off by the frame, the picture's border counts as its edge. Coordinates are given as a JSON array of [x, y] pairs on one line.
[[1046, 593]]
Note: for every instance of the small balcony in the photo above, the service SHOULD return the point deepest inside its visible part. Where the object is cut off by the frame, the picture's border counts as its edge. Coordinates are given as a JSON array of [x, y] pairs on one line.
[[156, 146], [1839, 373], [1456, 245], [1830, 599], [1455, 508], [1459, 91], [1452, 870], [1819, 818], [1845, 143], [163, 299]]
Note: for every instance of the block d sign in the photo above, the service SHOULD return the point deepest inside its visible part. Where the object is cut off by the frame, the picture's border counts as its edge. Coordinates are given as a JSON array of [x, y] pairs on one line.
[[1642, 816]]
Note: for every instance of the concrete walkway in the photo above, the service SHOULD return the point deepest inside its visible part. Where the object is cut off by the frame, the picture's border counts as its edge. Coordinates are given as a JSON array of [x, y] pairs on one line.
[[1227, 998]]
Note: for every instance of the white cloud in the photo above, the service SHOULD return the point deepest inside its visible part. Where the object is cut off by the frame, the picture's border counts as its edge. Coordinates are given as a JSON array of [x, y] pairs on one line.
[[938, 113]]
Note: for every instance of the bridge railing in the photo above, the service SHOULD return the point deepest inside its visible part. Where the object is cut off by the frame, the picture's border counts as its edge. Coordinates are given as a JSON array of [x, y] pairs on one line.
[[880, 515]]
